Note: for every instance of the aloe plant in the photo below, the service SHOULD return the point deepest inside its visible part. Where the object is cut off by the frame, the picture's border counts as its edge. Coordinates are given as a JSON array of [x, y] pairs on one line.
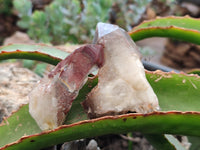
[[178, 96]]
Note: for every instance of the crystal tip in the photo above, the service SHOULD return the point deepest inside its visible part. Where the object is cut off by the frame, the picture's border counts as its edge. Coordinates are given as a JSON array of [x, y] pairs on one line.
[[105, 28]]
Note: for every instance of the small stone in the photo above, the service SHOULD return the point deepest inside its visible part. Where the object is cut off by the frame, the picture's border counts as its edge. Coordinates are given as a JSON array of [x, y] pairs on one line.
[[92, 145], [74, 145]]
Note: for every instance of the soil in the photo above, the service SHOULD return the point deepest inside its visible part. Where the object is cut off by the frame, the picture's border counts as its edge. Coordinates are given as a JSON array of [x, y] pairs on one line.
[[15, 84], [110, 142], [121, 142], [8, 22], [7, 26], [40, 4], [181, 55]]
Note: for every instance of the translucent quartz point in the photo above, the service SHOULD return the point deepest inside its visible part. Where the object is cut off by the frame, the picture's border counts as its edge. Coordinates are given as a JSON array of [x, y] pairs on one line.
[[122, 85], [52, 99], [103, 29]]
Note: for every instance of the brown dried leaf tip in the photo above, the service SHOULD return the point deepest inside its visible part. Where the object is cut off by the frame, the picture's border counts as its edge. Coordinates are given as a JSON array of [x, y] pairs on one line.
[[52, 99], [122, 85]]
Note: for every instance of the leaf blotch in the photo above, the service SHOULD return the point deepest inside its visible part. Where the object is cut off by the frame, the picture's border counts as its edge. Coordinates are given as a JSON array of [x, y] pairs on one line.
[[124, 119], [149, 24], [32, 141]]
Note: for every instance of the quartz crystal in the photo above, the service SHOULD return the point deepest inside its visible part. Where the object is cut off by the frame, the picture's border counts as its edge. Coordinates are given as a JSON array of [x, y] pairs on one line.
[[122, 85], [51, 100]]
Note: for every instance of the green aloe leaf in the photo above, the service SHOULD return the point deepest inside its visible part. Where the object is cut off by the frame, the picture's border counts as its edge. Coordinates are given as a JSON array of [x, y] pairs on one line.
[[181, 28], [17, 125], [40, 52], [178, 92], [153, 123], [194, 71]]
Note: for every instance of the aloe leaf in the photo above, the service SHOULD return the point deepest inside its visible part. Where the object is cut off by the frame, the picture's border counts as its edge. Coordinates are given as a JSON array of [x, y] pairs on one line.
[[164, 142], [41, 52], [17, 125], [40, 69], [49, 55], [171, 90], [176, 91], [181, 28], [194, 71], [153, 123]]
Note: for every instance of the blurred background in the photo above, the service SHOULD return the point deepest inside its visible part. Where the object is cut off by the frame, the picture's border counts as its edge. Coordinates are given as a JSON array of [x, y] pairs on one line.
[[74, 21], [69, 22]]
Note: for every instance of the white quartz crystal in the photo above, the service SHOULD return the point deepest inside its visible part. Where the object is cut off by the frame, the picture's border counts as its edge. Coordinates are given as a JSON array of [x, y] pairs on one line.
[[43, 105], [122, 85]]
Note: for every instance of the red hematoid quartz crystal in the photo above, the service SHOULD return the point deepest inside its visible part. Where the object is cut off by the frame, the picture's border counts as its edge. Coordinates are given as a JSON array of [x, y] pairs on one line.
[[52, 99]]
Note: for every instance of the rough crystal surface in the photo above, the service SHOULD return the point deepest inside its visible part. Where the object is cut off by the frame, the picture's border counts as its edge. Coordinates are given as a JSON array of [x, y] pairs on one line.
[[51, 100], [122, 85]]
